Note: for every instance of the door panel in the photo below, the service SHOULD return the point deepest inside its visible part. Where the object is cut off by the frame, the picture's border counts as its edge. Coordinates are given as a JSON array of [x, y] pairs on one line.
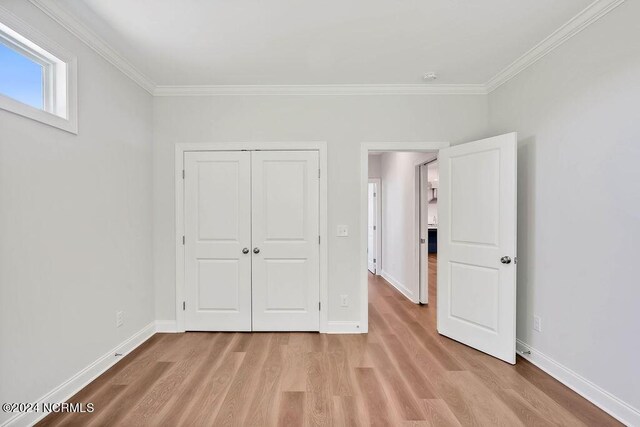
[[477, 227], [285, 205], [217, 228]]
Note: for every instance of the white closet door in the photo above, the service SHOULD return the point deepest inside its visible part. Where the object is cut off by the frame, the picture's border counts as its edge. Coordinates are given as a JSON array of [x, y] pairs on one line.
[[285, 204], [477, 245], [217, 229]]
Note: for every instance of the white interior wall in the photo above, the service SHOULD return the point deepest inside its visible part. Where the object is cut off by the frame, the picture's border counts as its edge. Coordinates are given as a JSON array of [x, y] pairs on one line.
[[75, 226], [399, 215], [343, 121], [577, 114]]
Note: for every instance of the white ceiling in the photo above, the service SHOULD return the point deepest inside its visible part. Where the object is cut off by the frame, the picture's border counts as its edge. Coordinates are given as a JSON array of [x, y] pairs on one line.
[[290, 42]]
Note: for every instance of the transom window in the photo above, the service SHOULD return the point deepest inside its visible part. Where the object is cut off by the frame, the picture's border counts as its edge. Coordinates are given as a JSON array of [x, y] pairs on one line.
[[22, 77], [37, 78]]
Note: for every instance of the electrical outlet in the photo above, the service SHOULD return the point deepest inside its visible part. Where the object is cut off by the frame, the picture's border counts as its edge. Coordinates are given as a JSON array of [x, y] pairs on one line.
[[537, 323], [344, 301], [119, 318]]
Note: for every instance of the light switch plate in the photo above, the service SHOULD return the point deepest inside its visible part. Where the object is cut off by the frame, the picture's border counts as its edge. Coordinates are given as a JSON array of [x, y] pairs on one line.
[[343, 231]]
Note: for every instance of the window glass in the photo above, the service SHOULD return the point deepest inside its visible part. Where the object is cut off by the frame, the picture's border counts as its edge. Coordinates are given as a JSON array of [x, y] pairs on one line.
[[21, 78]]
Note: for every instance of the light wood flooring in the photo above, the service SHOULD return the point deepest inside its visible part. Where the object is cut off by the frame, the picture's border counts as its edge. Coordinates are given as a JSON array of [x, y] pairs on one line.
[[400, 374]]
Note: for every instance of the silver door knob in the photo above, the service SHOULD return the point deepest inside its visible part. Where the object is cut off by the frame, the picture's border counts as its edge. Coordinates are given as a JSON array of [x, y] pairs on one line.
[[256, 250], [505, 260], [245, 251]]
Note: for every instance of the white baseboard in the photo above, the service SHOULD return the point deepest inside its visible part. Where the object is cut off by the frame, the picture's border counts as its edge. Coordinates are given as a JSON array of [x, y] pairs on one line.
[[64, 391], [609, 403], [398, 285], [166, 326], [343, 327]]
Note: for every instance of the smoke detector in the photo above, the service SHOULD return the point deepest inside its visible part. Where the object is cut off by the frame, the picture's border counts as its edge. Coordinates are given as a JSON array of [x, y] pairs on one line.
[[430, 76]]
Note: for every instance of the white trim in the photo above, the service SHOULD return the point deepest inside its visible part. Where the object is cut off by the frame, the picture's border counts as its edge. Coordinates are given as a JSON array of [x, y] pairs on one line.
[[345, 89], [582, 20], [365, 148], [401, 287], [77, 382], [91, 39], [604, 400], [166, 326], [181, 148], [62, 109], [343, 327]]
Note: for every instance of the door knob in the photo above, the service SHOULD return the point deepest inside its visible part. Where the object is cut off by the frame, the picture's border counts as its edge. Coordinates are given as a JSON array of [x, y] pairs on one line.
[[245, 251], [256, 250], [505, 260]]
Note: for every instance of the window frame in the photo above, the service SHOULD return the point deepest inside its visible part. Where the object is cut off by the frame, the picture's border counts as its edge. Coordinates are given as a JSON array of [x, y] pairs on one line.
[[59, 75]]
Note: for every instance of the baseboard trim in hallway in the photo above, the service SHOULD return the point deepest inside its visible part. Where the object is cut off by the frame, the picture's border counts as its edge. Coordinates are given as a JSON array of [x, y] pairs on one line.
[[398, 285], [609, 403], [77, 382]]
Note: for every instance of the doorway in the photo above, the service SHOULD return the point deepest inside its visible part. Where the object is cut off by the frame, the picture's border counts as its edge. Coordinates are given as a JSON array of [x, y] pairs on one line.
[[476, 221]]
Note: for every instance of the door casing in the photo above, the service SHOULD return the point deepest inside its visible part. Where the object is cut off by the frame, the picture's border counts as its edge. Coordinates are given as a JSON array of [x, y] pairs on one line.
[[182, 148]]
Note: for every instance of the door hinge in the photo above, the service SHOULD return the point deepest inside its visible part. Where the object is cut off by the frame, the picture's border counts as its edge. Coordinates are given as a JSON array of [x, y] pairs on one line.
[[184, 305], [318, 173], [183, 240], [374, 260], [318, 239], [182, 173], [319, 306], [375, 194], [374, 228]]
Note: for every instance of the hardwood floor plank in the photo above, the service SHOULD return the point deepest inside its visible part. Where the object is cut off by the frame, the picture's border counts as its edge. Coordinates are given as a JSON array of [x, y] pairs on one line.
[[420, 385], [186, 387], [374, 397], [264, 404], [405, 403], [347, 412], [205, 408], [318, 396], [572, 402], [439, 414], [118, 409], [291, 411]]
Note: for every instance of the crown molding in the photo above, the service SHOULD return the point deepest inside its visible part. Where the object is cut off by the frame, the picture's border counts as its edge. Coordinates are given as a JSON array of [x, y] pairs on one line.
[[588, 16], [91, 39], [373, 89]]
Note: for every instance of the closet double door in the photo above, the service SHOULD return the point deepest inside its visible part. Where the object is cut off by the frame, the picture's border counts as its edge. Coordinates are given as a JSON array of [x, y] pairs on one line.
[[251, 241]]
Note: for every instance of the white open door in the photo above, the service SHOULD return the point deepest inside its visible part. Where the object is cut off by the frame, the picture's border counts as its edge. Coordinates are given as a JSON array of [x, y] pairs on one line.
[[477, 245], [371, 229], [217, 200], [285, 230]]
